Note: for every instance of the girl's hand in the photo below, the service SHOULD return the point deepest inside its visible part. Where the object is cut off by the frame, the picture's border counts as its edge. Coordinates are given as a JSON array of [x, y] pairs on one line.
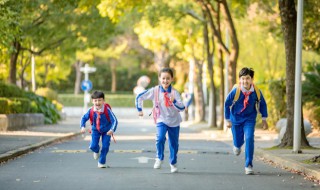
[[140, 113], [83, 130]]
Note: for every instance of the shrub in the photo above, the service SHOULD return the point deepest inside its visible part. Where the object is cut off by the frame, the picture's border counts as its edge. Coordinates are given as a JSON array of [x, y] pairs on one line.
[[4, 106], [9, 90], [48, 93]]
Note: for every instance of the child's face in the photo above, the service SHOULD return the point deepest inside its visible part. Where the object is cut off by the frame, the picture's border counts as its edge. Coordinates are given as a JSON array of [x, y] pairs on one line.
[[98, 103], [246, 81], [165, 80]]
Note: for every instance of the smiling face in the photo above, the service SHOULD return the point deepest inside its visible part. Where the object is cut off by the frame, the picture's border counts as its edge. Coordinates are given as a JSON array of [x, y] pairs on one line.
[[165, 79], [98, 103], [246, 81]]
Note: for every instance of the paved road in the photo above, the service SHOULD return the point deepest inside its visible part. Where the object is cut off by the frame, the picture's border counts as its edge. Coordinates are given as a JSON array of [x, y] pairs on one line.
[[203, 164]]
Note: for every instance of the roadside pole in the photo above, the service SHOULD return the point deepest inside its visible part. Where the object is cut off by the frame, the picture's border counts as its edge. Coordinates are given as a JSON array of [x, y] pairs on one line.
[[86, 85], [297, 93]]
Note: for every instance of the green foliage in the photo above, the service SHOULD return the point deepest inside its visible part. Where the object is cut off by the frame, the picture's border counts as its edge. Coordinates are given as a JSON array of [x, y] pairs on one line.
[[18, 101], [311, 84], [8, 90], [48, 93], [311, 94], [46, 107], [4, 106], [115, 100]]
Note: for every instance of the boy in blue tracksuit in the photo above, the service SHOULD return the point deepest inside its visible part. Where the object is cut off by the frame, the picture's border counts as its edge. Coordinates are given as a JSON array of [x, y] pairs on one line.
[[103, 124], [241, 115]]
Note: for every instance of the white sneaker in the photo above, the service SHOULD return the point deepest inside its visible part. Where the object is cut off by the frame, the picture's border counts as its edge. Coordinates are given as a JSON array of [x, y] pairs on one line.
[[101, 165], [248, 170], [157, 164], [174, 168], [236, 151], [95, 156]]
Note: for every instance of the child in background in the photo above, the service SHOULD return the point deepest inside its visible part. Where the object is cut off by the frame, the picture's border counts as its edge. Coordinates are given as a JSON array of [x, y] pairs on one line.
[[241, 115], [103, 124], [167, 105]]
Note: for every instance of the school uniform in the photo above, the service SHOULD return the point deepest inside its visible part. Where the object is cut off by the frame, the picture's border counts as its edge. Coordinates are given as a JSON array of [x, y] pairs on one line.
[[168, 121], [243, 114], [101, 130]]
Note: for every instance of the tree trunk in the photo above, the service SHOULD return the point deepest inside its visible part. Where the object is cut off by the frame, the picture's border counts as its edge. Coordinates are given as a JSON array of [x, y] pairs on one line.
[[212, 115], [288, 16], [199, 98], [234, 52], [113, 76], [13, 62], [77, 83], [222, 98]]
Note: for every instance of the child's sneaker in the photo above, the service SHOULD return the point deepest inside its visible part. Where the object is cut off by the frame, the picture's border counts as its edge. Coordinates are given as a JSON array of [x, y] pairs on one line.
[[157, 164], [236, 151], [95, 156], [174, 168], [248, 170], [101, 165]]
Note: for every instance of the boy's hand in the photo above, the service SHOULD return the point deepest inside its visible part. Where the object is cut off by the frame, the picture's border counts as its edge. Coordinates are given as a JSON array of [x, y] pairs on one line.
[[82, 130], [264, 125], [229, 124], [140, 113], [110, 132]]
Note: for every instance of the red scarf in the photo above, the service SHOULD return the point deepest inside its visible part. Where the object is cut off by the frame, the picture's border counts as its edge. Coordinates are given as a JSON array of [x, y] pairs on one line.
[[167, 100], [246, 100], [98, 120]]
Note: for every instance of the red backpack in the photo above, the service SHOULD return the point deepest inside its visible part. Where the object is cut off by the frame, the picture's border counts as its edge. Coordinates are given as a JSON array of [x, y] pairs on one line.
[[105, 113]]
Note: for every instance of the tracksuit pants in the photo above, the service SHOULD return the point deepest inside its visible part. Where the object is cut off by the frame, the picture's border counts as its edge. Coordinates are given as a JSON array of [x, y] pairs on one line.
[[173, 136], [94, 145], [241, 133]]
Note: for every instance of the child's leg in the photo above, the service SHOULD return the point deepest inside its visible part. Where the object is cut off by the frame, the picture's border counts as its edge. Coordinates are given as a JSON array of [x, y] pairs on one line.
[[238, 135], [173, 133], [105, 148], [161, 139], [94, 145], [249, 135]]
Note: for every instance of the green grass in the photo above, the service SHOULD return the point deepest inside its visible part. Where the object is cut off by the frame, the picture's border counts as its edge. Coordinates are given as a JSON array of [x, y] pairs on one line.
[[115, 100]]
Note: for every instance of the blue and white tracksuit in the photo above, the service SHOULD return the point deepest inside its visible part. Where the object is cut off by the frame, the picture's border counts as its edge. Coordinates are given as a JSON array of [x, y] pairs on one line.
[[243, 123], [168, 121], [105, 126]]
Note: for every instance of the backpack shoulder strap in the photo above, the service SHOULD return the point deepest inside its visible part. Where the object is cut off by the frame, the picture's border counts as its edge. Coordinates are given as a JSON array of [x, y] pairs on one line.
[[236, 97], [156, 94], [256, 89], [106, 106], [91, 116], [173, 93]]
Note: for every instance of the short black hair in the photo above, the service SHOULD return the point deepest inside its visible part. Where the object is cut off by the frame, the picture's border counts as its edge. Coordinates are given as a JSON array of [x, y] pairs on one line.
[[246, 71], [97, 94], [166, 70]]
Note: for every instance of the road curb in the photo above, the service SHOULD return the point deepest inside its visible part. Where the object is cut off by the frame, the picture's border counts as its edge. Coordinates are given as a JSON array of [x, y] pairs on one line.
[[23, 150], [288, 163]]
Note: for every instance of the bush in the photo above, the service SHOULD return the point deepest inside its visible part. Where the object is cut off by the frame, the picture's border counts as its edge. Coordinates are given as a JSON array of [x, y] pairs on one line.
[[9, 90], [48, 93], [115, 100], [4, 106]]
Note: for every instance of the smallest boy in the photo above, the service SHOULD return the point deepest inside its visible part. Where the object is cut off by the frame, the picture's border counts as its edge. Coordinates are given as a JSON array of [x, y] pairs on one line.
[[241, 115], [103, 124]]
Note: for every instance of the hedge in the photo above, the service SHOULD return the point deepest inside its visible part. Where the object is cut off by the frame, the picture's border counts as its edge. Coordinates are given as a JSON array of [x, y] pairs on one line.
[[115, 100]]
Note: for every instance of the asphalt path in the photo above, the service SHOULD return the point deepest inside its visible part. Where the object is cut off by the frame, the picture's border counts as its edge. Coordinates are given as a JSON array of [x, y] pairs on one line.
[[202, 162]]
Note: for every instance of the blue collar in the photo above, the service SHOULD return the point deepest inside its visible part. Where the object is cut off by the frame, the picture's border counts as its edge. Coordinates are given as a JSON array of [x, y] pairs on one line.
[[163, 90]]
